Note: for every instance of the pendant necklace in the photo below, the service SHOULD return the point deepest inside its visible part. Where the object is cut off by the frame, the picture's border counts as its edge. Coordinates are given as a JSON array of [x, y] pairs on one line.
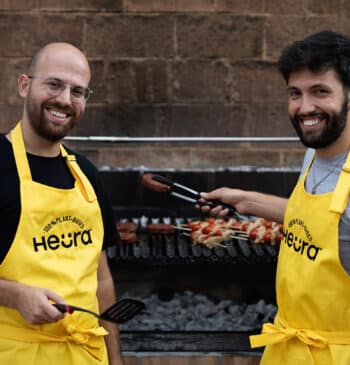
[[313, 190]]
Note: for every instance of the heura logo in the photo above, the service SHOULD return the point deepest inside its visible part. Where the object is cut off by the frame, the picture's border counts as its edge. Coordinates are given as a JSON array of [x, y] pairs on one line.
[[54, 242], [298, 244]]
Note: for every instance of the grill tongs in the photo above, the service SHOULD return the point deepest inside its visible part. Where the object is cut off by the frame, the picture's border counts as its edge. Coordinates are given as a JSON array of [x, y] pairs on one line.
[[193, 196]]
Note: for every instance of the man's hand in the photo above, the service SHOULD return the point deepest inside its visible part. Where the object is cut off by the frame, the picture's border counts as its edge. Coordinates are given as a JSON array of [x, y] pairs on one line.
[[233, 197], [247, 202], [35, 306], [33, 303]]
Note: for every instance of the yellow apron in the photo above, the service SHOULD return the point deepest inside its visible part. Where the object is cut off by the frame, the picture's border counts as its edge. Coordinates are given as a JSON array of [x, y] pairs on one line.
[[57, 246], [312, 325]]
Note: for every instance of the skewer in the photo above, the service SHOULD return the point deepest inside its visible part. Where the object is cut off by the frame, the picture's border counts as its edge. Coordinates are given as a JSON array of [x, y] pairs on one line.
[[240, 237], [182, 228], [237, 231], [233, 236], [208, 246], [258, 226], [203, 244], [241, 233], [220, 245]]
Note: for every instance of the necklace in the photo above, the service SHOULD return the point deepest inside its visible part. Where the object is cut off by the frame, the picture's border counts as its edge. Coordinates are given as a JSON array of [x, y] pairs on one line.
[[313, 190]]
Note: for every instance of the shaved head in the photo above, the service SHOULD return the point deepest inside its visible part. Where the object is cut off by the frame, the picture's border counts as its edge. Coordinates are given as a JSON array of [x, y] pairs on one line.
[[58, 47]]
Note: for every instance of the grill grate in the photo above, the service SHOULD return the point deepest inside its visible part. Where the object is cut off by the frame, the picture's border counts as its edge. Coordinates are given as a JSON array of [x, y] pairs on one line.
[[176, 247]]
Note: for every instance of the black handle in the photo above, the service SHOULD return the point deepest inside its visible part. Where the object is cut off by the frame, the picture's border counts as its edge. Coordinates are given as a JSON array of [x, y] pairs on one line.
[[215, 203], [64, 308], [162, 180]]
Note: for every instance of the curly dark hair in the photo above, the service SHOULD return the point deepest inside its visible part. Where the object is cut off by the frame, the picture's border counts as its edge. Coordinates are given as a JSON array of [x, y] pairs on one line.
[[318, 52]]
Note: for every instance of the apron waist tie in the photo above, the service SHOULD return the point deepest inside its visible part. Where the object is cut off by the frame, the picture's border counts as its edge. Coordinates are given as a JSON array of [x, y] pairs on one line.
[[280, 331], [90, 339], [273, 333]]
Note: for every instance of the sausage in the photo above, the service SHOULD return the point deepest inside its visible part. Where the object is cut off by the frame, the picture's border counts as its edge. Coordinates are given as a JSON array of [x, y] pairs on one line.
[[148, 182], [128, 237], [126, 227], [160, 228]]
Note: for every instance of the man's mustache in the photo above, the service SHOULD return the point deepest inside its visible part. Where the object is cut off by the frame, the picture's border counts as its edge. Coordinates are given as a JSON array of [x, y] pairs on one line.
[[314, 115]]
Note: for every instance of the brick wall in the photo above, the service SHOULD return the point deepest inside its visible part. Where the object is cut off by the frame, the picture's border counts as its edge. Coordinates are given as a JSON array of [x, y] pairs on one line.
[[172, 68]]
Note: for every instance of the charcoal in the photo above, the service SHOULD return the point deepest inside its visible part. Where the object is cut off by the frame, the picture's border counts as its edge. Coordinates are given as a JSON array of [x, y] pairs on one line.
[[188, 311]]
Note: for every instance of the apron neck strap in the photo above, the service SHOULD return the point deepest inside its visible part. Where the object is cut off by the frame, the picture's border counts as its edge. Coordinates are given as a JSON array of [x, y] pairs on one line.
[[80, 178], [20, 154], [342, 190], [24, 169]]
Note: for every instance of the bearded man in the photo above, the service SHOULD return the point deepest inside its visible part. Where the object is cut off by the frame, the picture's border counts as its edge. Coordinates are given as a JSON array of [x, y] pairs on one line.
[[56, 224], [312, 325]]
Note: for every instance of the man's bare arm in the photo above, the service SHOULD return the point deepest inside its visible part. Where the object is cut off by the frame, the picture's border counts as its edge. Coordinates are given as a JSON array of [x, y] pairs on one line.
[[246, 202], [106, 297]]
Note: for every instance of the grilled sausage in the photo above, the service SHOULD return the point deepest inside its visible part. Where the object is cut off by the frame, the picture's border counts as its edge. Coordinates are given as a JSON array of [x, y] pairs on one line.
[[128, 237], [126, 227], [148, 182], [160, 228]]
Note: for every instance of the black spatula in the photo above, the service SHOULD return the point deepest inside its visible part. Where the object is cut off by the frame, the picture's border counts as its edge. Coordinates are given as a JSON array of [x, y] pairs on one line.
[[120, 312]]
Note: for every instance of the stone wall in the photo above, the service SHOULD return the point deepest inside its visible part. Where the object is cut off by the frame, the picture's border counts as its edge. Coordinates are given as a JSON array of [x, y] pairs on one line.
[[169, 68]]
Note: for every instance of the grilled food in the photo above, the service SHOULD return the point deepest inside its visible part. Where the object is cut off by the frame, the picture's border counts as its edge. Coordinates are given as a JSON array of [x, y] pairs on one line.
[[127, 232], [160, 228], [148, 182]]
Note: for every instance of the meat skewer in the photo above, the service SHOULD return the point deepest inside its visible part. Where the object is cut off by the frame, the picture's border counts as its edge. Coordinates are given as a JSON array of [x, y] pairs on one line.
[[205, 240], [263, 231], [210, 234], [258, 231], [212, 224]]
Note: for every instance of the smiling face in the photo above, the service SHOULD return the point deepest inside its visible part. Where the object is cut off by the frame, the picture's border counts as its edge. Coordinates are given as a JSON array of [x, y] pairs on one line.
[[50, 116], [318, 107]]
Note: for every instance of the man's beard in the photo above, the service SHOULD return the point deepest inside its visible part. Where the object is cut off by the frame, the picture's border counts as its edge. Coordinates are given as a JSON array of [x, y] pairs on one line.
[[44, 128], [334, 126]]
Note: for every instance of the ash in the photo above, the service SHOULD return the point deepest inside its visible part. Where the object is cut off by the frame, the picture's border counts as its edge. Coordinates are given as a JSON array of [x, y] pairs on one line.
[[190, 311]]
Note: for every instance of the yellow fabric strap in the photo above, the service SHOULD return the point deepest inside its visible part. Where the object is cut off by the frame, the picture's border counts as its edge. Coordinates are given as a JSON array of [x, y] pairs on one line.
[[273, 333], [90, 339], [82, 181], [24, 170], [342, 190], [20, 156]]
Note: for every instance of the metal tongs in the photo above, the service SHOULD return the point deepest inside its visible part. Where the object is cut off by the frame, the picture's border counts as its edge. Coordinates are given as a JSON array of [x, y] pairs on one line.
[[193, 196]]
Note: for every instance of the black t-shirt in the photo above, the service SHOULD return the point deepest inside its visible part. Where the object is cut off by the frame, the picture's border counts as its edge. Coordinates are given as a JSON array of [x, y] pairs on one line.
[[52, 171]]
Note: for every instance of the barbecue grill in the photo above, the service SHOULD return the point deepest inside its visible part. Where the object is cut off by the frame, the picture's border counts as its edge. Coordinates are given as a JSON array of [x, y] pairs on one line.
[[167, 264]]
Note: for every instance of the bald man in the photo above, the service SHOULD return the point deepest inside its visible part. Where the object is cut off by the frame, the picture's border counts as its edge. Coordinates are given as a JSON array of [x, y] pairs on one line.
[[56, 223]]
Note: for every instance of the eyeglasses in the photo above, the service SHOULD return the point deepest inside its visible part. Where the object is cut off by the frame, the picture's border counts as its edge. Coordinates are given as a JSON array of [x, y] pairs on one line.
[[56, 86]]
